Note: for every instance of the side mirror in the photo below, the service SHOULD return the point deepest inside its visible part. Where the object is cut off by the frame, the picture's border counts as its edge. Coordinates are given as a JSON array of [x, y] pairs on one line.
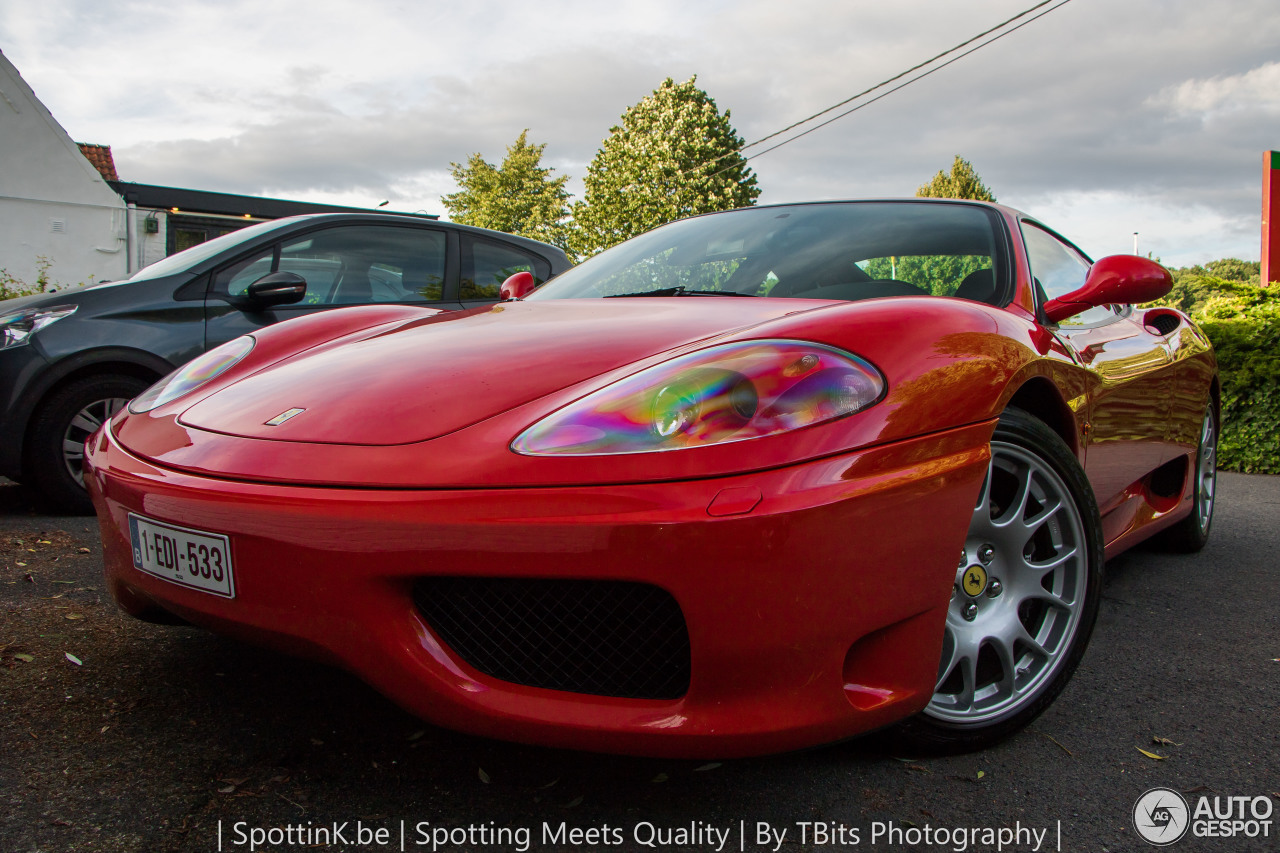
[[517, 286], [275, 288], [1114, 280]]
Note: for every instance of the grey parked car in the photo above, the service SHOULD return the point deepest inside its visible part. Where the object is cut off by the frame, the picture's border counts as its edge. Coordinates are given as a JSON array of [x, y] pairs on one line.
[[71, 359]]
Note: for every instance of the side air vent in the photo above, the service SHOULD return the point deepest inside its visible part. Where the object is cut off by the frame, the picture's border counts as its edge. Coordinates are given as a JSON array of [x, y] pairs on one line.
[[1162, 322]]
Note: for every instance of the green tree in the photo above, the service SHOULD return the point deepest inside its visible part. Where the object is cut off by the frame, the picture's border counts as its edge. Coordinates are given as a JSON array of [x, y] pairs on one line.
[[1194, 286], [518, 197], [963, 182], [674, 155], [939, 275]]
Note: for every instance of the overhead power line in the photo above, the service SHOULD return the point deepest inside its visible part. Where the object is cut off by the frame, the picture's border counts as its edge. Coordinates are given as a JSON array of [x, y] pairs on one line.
[[966, 43], [908, 82], [890, 80]]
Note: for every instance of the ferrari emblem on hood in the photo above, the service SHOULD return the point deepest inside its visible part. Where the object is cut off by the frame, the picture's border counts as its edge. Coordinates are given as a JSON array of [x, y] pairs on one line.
[[284, 416]]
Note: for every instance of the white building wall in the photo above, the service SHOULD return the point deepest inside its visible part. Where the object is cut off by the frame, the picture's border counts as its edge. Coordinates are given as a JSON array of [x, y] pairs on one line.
[[53, 203], [151, 247]]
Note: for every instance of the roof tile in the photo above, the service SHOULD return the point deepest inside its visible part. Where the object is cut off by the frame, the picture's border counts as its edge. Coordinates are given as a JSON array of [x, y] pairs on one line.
[[100, 157]]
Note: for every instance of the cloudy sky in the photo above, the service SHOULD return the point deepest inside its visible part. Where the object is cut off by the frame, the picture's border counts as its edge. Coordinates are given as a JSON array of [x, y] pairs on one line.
[[1104, 117]]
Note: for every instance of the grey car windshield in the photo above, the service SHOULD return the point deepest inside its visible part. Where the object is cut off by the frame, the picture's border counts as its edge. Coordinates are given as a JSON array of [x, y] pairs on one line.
[[190, 257], [843, 251]]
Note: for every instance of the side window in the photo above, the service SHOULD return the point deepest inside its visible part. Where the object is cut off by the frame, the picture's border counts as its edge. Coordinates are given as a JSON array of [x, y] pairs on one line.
[[1059, 269], [351, 265], [487, 264], [235, 279]]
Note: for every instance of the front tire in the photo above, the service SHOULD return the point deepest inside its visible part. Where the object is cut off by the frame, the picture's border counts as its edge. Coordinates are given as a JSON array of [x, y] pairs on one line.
[[54, 459], [1026, 594]]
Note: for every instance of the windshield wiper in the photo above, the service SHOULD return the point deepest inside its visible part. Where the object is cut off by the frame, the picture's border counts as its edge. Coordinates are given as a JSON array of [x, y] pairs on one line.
[[662, 291], [678, 290]]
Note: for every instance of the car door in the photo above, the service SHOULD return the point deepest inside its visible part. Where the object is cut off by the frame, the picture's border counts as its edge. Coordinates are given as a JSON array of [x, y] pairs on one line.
[[1131, 373], [1188, 350], [347, 264]]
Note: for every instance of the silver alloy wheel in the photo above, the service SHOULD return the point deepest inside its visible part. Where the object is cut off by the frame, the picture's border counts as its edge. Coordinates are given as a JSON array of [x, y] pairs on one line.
[[83, 425], [1206, 471], [1020, 590]]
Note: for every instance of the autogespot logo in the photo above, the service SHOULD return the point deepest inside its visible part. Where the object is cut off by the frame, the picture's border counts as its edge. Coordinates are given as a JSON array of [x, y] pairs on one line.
[[1161, 816]]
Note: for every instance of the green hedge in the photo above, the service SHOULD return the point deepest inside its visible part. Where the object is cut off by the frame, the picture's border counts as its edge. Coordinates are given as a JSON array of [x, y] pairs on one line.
[[1243, 321]]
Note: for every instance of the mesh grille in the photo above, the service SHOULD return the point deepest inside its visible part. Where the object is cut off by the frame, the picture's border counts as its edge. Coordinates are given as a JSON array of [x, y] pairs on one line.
[[605, 638]]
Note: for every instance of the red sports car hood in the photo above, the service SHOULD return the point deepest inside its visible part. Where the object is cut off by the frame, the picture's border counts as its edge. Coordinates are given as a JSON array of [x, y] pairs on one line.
[[431, 377]]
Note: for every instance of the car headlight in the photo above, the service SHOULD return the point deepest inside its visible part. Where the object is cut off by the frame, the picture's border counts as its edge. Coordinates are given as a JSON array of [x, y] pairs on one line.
[[731, 392], [17, 327], [192, 375]]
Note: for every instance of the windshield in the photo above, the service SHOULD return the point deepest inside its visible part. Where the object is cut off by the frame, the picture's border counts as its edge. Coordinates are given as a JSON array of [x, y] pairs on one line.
[[188, 258], [839, 250]]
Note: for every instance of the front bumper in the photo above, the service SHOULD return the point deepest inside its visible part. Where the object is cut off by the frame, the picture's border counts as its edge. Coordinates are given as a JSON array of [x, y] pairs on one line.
[[21, 369], [813, 613]]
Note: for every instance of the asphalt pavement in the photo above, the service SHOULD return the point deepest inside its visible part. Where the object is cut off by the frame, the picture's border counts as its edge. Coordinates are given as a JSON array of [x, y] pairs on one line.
[[117, 735]]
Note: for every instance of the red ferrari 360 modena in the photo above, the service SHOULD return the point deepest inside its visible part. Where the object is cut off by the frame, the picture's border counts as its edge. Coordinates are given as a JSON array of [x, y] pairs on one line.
[[752, 481]]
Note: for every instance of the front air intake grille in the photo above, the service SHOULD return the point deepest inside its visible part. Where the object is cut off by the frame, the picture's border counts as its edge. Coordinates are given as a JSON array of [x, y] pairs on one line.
[[605, 638]]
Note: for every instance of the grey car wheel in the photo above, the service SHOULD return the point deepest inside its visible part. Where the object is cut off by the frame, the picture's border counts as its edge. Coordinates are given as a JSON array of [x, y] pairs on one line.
[[1192, 533], [1019, 592], [1025, 596], [84, 424], [53, 459]]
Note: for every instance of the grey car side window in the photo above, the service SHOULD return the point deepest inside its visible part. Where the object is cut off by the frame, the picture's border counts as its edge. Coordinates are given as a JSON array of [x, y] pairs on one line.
[[351, 265]]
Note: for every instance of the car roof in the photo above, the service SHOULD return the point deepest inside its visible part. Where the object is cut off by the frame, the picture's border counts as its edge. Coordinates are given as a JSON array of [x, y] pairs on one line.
[[375, 217]]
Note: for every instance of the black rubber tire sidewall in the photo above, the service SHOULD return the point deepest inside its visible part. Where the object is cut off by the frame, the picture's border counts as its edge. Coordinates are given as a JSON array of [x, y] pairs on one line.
[[924, 734], [43, 466], [1188, 536]]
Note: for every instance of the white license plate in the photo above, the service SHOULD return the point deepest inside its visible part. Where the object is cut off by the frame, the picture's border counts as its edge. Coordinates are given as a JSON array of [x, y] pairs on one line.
[[192, 558]]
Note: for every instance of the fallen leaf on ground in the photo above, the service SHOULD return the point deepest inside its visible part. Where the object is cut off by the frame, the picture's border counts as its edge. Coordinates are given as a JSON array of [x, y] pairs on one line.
[[981, 773], [574, 803], [84, 550], [710, 766], [661, 777], [1164, 741], [484, 777], [75, 660], [1151, 754], [23, 656], [73, 616]]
